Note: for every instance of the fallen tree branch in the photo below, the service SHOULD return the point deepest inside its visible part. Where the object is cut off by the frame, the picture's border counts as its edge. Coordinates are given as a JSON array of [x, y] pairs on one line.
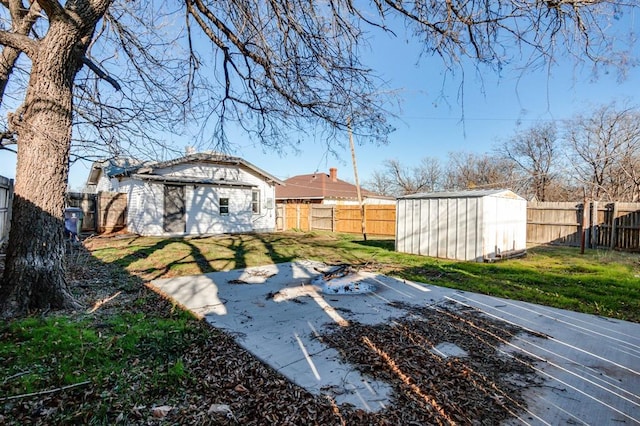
[[14, 376], [45, 392], [99, 303]]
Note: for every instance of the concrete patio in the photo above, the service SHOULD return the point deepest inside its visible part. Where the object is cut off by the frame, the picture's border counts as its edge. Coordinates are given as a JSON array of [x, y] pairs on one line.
[[591, 364]]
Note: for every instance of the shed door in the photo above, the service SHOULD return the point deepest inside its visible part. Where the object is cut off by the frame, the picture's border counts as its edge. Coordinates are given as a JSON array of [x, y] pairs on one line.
[[174, 209]]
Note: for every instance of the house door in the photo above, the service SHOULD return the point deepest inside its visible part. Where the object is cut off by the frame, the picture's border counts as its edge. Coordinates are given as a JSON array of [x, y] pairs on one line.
[[174, 209]]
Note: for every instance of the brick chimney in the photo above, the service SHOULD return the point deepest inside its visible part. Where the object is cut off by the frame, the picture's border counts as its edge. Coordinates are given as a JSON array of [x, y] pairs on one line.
[[333, 174]]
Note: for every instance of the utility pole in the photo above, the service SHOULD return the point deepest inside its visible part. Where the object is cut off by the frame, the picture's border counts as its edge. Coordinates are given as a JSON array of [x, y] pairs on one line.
[[355, 172], [583, 232]]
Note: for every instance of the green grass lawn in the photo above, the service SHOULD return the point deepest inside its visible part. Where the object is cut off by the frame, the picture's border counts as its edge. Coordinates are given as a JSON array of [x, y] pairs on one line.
[[598, 282]]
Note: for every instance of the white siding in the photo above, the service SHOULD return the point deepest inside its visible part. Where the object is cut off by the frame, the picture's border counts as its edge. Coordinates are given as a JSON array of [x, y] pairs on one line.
[[441, 222], [266, 220], [202, 208], [145, 206], [465, 228], [425, 218], [401, 228], [104, 184], [506, 233]]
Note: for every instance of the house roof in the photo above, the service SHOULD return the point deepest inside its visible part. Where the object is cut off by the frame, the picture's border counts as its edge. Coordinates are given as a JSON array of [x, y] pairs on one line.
[[469, 193], [111, 167], [128, 169], [186, 180], [319, 186]]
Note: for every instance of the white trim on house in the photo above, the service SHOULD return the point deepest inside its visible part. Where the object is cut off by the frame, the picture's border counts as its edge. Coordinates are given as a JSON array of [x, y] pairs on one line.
[[192, 180]]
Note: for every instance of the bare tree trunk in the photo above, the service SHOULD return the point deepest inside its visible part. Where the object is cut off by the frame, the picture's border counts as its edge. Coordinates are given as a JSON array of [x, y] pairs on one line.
[[34, 276]]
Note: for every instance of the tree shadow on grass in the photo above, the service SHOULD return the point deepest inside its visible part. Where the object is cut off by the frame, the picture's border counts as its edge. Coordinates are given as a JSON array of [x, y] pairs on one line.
[[154, 258], [194, 255], [130, 346], [389, 245], [271, 250], [144, 252]]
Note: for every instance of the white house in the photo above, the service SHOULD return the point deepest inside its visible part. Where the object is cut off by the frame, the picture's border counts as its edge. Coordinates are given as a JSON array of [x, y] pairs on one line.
[[476, 225], [198, 194]]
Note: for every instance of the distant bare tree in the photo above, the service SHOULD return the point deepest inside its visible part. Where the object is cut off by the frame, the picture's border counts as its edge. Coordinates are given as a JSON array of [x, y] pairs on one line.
[[404, 180], [605, 151], [481, 171], [380, 183], [536, 152], [630, 167]]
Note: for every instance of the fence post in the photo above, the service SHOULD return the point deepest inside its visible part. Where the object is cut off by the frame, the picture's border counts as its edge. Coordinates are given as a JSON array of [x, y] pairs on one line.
[[583, 226], [333, 218], [593, 225], [100, 222], [614, 230]]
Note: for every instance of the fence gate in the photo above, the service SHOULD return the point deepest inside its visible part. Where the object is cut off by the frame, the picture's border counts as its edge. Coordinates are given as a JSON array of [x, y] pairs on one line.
[[279, 217]]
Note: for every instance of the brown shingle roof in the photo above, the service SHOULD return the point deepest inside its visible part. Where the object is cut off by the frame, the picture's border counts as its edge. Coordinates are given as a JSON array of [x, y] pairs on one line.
[[317, 186]]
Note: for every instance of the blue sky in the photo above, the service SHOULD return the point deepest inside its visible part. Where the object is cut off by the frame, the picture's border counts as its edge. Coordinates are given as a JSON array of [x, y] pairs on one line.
[[430, 119], [430, 122]]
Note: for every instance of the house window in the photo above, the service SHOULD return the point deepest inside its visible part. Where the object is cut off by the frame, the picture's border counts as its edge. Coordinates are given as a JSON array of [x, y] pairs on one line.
[[255, 202], [224, 206]]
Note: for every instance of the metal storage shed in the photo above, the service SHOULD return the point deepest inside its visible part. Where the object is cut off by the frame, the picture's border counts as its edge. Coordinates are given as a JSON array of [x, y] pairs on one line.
[[476, 225]]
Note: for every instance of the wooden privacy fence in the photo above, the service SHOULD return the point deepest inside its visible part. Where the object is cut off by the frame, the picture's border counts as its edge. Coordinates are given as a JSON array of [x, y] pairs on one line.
[[111, 211], [380, 219], [605, 225], [6, 198]]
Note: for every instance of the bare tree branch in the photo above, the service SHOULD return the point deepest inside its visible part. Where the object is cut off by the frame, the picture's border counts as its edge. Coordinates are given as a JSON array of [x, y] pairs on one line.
[[19, 42], [100, 73], [53, 9]]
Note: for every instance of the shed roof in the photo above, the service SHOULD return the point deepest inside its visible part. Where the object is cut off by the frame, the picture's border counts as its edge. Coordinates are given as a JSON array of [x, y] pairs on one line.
[[469, 193]]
